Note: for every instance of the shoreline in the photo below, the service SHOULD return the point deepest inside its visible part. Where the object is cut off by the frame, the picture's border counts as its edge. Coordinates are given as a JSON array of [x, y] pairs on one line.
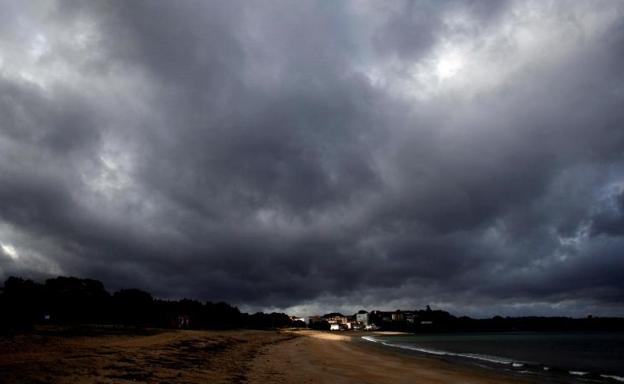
[[513, 366], [317, 356]]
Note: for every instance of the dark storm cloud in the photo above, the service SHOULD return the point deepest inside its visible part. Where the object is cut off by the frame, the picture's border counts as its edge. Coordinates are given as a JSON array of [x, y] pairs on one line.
[[411, 27], [318, 155]]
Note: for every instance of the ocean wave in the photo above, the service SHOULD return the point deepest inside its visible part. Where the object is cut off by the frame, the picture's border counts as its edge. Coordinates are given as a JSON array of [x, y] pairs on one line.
[[487, 358], [474, 356]]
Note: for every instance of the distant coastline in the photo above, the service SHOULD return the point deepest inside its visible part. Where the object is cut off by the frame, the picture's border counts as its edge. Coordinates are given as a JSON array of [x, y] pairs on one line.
[[70, 300]]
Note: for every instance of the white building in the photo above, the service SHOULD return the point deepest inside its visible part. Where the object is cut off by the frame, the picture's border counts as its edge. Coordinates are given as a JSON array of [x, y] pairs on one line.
[[362, 318]]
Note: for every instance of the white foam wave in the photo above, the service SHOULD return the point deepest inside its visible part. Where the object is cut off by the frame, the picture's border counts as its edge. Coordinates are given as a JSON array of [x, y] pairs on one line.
[[490, 359], [578, 373]]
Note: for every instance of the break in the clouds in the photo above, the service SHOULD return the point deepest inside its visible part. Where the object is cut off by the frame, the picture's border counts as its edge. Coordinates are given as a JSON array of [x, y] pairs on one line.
[[322, 155]]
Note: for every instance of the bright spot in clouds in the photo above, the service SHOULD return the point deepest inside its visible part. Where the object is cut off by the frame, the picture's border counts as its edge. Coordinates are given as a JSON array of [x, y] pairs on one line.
[[448, 66], [9, 250]]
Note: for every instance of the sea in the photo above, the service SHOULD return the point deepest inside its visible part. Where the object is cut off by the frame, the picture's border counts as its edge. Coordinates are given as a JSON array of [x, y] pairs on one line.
[[545, 357]]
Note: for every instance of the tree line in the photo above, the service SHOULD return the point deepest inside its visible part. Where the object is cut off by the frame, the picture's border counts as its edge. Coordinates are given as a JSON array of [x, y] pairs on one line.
[[73, 301]]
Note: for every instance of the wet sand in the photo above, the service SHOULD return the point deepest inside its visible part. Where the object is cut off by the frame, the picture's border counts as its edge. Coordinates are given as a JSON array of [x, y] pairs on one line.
[[157, 356]]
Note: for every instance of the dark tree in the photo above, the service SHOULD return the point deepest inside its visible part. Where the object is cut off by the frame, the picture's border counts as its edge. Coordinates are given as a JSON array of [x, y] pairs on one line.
[[132, 307]]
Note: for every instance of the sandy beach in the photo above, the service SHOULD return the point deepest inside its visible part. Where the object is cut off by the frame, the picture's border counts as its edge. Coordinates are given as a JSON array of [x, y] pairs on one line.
[[323, 357], [219, 357], [127, 356]]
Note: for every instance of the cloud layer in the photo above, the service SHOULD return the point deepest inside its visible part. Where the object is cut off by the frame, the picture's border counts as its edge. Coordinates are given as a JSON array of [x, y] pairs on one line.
[[319, 155]]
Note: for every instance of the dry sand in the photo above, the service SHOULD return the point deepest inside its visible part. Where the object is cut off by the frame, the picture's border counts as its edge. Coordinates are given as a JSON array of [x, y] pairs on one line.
[[113, 356], [53, 356]]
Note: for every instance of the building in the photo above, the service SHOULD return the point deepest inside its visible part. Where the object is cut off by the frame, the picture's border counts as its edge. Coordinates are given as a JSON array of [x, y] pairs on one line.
[[397, 315], [410, 316], [338, 321], [335, 318], [362, 318]]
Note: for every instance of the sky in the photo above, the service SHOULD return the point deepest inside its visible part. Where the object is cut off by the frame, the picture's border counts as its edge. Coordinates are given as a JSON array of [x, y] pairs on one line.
[[312, 156]]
